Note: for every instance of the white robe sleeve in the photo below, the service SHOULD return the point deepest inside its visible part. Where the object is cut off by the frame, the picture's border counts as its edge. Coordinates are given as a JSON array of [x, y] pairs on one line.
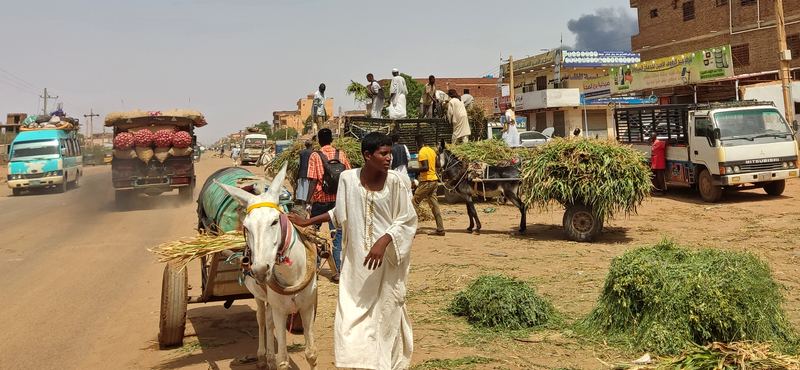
[[404, 226], [339, 213]]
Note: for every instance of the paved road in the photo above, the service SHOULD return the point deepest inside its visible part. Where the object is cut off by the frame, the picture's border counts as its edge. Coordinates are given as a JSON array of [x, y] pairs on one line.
[[79, 290]]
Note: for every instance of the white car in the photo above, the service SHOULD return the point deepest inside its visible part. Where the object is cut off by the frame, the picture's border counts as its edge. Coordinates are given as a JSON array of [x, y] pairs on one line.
[[532, 139]]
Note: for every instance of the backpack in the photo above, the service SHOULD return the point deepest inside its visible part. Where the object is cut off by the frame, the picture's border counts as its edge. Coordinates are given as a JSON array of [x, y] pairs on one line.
[[333, 168]]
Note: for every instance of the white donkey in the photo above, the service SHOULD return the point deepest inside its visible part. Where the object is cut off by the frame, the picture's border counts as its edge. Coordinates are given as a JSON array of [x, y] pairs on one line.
[[281, 272]]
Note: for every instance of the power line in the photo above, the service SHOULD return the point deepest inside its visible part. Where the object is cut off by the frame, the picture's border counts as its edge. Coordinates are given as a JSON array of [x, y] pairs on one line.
[[18, 88], [26, 82]]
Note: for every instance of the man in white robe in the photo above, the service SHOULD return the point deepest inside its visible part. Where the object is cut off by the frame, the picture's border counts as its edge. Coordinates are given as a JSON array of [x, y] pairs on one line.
[[372, 329], [457, 115], [510, 133], [375, 91], [397, 98]]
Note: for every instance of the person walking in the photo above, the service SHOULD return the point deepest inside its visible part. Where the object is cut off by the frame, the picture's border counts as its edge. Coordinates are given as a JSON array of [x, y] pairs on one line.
[[428, 98], [658, 163], [457, 115], [397, 98], [303, 182], [375, 91], [324, 185], [467, 99], [510, 133], [372, 329], [235, 155], [400, 155], [318, 110], [428, 183]]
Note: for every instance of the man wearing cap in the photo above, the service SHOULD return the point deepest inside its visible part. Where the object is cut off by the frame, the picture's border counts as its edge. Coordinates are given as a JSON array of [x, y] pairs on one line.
[[397, 97], [457, 115], [318, 109], [428, 98]]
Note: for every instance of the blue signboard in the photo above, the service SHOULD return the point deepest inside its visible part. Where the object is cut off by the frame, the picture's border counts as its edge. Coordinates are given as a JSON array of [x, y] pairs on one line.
[[596, 58], [618, 101], [522, 122]]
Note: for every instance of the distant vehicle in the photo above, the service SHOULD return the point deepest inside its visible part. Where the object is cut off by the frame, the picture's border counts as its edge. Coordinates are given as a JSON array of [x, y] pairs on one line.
[[88, 159], [532, 139], [44, 158], [108, 153], [282, 145], [252, 147]]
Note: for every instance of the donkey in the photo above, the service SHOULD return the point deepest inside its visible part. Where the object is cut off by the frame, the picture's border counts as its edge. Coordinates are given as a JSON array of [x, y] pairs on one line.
[[280, 271], [453, 175]]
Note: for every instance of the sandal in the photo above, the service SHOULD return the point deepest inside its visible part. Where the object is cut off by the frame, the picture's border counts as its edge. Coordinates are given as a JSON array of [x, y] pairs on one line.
[[335, 279]]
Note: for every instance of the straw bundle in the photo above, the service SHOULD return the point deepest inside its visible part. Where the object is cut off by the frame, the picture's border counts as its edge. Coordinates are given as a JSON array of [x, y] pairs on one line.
[[490, 151], [735, 355], [352, 149]]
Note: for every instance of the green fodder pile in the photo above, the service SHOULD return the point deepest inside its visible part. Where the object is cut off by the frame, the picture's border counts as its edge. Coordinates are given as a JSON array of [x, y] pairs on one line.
[[663, 298], [603, 173], [488, 151], [350, 146], [502, 302], [352, 149]]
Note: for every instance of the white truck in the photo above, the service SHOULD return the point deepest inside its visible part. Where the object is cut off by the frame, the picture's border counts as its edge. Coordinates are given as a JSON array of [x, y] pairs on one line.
[[736, 145], [253, 146]]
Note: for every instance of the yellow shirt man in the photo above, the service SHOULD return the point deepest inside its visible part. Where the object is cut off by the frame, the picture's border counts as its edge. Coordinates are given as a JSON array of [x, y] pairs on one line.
[[427, 154], [428, 182]]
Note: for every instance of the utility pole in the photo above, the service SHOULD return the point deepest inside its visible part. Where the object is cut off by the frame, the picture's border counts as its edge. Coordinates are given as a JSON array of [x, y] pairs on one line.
[[511, 81], [91, 115], [45, 97], [785, 55]]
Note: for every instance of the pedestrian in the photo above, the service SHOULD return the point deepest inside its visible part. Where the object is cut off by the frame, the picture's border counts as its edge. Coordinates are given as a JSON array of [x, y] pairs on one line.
[[222, 152], [428, 183], [510, 133], [235, 155], [318, 110], [375, 91], [400, 155], [428, 98], [457, 115], [658, 163], [371, 327], [324, 185], [397, 98], [303, 182], [576, 132], [467, 99]]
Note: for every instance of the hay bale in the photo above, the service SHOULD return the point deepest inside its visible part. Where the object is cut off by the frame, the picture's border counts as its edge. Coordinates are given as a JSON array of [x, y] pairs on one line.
[[605, 174], [663, 298], [424, 212], [502, 302]]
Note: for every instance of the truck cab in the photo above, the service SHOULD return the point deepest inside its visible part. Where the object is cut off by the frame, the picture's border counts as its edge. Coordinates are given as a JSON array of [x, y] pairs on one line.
[[717, 145], [252, 147]]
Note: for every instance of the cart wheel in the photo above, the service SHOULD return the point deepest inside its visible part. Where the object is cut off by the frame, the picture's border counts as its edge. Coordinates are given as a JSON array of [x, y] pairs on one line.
[[581, 223], [174, 299]]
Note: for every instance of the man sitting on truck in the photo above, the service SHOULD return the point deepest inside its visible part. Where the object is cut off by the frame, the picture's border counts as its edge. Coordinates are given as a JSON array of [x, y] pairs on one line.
[[658, 163]]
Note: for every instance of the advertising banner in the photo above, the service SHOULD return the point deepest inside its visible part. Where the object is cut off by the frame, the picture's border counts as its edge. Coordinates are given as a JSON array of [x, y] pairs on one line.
[[597, 58], [597, 88], [692, 68]]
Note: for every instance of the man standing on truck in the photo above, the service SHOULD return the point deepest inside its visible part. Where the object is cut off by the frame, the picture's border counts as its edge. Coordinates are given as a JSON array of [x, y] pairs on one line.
[[318, 109], [303, 182], [428, 98], [457, 115], [397, 99], [323, 201], [658, 163], [428, 183], [375, 91]]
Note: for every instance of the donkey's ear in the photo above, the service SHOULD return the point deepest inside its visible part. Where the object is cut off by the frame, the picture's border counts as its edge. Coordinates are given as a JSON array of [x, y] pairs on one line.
[[244, 198], [275, 188], [441, 146]]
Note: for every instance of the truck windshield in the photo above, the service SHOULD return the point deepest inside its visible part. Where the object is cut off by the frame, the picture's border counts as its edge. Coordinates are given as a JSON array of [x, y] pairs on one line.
[[255, 142], [752, 124], [36, 149]]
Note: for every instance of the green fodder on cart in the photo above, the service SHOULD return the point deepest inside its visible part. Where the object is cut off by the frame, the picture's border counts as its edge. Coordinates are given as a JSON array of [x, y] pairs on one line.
[[609, 176], [664, 298], [352, 149], [489, 151], [502, 302]]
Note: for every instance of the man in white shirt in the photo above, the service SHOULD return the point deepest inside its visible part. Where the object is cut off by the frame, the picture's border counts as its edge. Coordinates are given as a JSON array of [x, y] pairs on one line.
[[510, 133], [397, 99], [375, 91], [457, 115], [467, 99], [318, 109], [235, 155]]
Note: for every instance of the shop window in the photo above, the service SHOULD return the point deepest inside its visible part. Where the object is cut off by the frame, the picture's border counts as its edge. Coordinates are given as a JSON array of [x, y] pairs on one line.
[[793, 42], [688, 11], [541, 83], [741, 55], [748, 2], [722, 2], [654, 13]]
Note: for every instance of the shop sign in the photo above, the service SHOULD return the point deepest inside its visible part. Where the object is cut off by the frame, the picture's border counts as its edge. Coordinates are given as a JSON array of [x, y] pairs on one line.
[[597, 58]]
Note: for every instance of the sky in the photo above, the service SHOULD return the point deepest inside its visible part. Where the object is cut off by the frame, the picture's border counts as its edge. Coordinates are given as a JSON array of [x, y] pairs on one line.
[[237, 61]]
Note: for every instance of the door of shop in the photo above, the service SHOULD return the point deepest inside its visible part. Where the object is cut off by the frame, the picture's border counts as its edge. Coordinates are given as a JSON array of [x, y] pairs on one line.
[[541, 121], [558, 124], [598, 123]]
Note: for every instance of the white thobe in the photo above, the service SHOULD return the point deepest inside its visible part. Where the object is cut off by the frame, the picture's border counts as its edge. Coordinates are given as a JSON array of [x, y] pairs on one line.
[[457, 115], [377, 99], [511, 136], [397, 106], [318, 104], [371, 327]]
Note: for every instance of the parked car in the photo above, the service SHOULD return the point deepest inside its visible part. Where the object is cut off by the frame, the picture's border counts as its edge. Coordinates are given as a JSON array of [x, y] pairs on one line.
[[88, 159], [532, 139]]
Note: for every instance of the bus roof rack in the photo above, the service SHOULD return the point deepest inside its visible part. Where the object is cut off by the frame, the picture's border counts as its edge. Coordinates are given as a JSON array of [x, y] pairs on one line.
[[733, 104]]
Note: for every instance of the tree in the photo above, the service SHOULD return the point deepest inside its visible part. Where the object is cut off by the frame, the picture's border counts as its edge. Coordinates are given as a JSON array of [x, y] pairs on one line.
[[415, 90], [284, 133], [266, 128], [307, 125]]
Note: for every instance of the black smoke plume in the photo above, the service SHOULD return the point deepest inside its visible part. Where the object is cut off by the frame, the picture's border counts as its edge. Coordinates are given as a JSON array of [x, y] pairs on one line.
[[606, 29]]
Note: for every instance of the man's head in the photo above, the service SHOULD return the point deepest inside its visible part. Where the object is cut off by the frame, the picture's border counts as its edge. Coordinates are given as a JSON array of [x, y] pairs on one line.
[[510, 106], [452, 93], [576, 132], [377, 150], [370, 78], [322, 88], [325, 136], [308, 144], [395, 72], [653, 136], [395, 138], [431, 79], [420, 140]]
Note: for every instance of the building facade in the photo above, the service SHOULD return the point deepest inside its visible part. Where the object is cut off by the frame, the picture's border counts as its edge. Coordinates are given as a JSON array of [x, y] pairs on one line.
[[483, 89], [297, 118]]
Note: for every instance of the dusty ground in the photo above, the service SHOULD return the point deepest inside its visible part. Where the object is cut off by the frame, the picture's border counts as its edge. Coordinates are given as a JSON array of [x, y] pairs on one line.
[[81, 291]]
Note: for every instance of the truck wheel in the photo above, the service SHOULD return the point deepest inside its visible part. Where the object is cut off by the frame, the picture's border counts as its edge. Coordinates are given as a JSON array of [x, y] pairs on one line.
[[77, 183], [17, 191], [581, 223], [775, 188], [62, 187], [708, 191], [174, 301]]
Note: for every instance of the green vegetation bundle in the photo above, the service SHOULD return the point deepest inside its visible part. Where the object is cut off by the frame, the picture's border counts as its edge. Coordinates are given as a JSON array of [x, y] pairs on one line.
[[732, 356], [358, 91], [488, 151], [603, 173], [662, 298], [352, 149], [292, 156], [185, 251], [502, 302]]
